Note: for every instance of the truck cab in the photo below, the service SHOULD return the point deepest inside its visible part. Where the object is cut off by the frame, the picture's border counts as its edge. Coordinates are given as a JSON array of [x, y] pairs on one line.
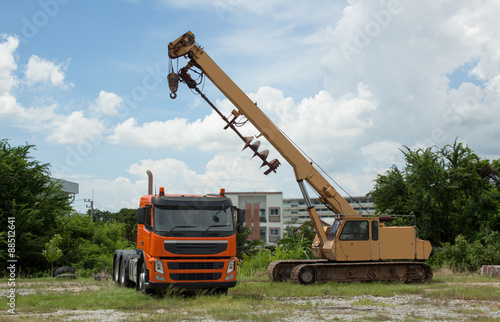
[[183, 241]]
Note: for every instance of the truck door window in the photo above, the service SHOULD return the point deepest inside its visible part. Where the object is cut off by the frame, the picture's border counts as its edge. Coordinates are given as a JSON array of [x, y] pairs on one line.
[[147, 223], [355, 230]]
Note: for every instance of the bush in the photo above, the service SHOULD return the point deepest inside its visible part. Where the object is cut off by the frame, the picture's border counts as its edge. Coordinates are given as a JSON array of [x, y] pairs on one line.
[[258, 262], [295, 245], [465, 256], [89, 246]]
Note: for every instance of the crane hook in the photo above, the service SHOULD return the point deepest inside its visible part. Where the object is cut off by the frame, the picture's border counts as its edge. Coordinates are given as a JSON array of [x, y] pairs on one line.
[[173, 83]]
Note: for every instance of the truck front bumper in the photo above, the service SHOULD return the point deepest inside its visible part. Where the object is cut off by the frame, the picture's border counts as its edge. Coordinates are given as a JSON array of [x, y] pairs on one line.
[[192, 286]]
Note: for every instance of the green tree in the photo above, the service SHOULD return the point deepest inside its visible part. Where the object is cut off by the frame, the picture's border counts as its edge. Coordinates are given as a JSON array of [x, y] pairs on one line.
[[126, 216], [450, 192], [33, 199], [89, 246], [52, 252]]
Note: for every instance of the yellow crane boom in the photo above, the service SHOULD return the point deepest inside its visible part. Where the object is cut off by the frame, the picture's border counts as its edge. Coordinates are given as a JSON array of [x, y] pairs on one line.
[[303, 169]]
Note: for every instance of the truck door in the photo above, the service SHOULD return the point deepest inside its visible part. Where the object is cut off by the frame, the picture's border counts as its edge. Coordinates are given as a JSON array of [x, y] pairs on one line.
[[354, 240], [144, 231]]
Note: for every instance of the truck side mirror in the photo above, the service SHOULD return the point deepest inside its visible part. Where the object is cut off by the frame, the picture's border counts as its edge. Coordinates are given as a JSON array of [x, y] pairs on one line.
[[141, 216], [240, 218]]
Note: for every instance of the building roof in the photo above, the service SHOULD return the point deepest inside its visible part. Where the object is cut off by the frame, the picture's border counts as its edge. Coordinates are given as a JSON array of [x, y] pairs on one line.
[[67, 186]]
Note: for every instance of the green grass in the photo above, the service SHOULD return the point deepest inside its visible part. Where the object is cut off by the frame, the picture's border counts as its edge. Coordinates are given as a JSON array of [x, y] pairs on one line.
[[254, 298]]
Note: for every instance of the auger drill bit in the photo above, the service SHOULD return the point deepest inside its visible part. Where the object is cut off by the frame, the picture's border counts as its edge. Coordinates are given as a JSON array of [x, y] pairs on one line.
[[273, 165]]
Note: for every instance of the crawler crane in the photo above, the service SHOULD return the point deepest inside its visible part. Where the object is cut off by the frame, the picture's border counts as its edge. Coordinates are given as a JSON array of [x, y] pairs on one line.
[[355, 247]]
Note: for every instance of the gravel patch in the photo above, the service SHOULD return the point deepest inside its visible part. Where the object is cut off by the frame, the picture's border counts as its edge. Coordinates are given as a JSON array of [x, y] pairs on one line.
[[400, 307], [325, 308], [85, 315]]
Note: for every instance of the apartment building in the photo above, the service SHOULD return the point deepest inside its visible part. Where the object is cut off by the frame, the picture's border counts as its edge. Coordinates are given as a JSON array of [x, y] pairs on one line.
[[263, 214], [295, 209]]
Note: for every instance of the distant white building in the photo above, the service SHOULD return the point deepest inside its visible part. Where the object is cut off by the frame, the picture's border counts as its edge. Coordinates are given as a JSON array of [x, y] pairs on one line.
[[268, 214], [295, 210], [70, 188], [263, 214]]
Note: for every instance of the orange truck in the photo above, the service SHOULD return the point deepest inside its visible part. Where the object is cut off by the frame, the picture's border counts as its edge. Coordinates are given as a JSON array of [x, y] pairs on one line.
[[183, 241]]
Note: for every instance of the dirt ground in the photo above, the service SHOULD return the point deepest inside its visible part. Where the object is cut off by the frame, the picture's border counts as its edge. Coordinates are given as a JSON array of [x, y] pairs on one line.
[[396, 308]]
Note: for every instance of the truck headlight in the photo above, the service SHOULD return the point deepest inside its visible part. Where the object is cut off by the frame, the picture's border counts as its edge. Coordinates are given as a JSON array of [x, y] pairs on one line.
[[230, 266], [159, 267]]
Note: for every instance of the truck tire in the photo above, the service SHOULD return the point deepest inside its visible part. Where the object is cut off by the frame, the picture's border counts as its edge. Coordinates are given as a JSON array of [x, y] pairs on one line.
[[64, 270], [116, 269], [124, 281], [141, 281]]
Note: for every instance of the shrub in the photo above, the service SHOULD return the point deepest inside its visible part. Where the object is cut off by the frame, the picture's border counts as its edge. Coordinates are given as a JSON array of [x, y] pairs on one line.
[[469, 256]]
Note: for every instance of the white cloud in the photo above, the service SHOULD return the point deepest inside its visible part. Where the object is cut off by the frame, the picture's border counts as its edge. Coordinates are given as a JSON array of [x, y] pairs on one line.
[[384, 151], [323, 126], [60, 128], [9, 107], [113, 195], [8, 46], [172, 174], [346, 117], [234, 173], [75, 128], [405, 56], [206, 134], [107, 103], [39, 70]]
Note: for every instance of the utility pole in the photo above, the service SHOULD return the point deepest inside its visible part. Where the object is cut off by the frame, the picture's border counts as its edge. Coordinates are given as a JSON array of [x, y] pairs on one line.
[[91, 206]]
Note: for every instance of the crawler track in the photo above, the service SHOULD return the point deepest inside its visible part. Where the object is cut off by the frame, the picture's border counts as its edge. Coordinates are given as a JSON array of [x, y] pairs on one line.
[[322, 271], [279, 271]]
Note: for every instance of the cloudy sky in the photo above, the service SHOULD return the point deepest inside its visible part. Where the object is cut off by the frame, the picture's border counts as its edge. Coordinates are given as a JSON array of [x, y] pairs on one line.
[[350, 82]]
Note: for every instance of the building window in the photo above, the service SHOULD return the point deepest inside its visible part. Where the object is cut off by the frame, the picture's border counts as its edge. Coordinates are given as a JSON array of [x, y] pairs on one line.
[[263, 234], [274, 235], [262, 215], [274, 214]]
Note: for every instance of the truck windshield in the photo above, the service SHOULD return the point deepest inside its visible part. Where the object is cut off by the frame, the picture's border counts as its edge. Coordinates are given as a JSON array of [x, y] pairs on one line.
[[193, 219]]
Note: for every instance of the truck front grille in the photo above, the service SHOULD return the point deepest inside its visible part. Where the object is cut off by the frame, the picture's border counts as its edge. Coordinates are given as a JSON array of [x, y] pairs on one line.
[[195, 247], [195, 276], [195, 265]]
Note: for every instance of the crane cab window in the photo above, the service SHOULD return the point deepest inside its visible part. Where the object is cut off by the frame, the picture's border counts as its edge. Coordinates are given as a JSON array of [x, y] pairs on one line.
[[375, 230], [355, 230]]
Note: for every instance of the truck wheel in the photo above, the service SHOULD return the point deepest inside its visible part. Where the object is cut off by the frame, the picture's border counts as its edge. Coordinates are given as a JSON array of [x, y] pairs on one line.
[[116, 270], [124, 281], [141, 281]]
